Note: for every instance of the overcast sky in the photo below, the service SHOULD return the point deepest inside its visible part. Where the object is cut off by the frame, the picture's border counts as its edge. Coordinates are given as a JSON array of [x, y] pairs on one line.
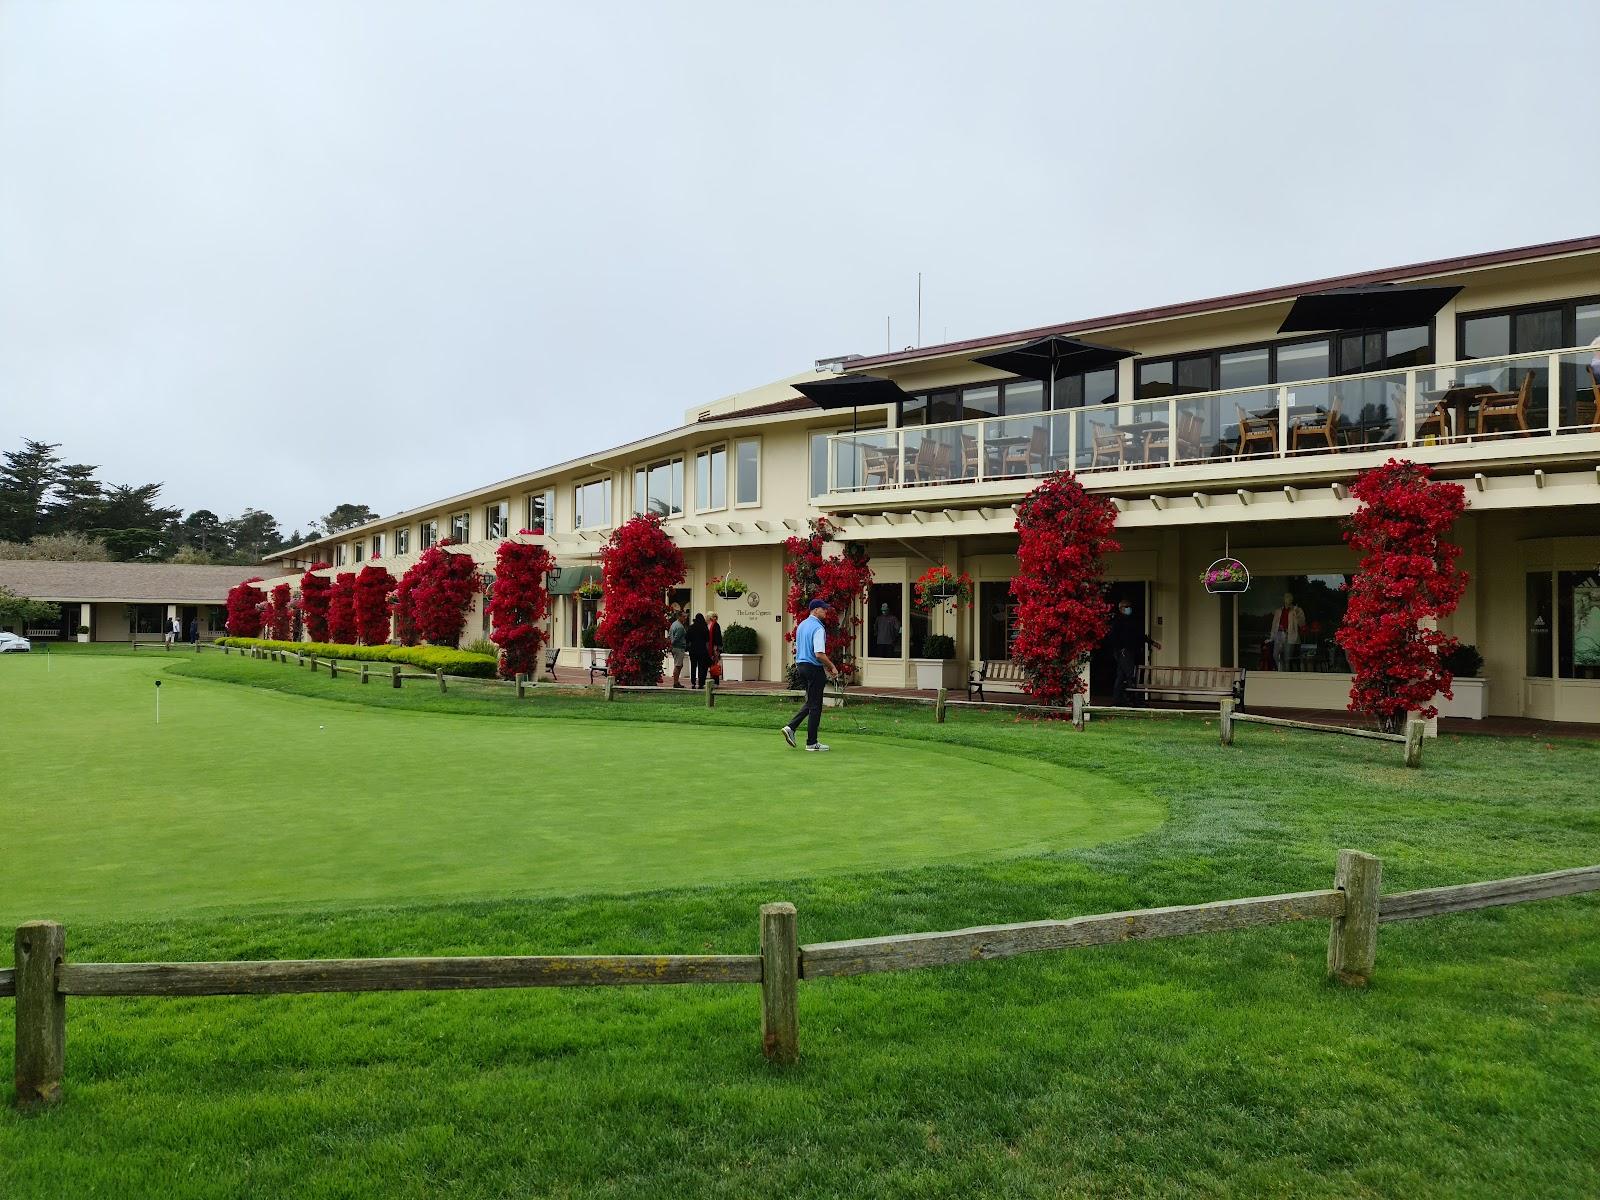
[[292, 254]]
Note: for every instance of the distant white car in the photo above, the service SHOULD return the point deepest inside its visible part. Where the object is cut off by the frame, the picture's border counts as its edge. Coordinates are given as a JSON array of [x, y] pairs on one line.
[[10, 643]]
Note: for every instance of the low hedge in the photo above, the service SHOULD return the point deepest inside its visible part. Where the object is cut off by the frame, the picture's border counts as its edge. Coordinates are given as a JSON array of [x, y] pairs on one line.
[[429, 658]]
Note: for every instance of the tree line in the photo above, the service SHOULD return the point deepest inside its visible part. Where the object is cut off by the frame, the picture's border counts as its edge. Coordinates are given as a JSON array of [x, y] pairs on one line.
[[54, 509]]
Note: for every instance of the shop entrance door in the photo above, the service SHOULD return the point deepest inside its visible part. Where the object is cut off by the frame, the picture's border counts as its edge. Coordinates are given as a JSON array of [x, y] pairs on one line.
[[1102, 665]]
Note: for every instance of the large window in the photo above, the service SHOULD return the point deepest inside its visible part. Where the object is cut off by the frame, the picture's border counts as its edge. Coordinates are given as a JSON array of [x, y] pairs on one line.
[[997, 619], [216, 618], [747, 471], [338, 555], [377, 545], [402, 540], [461, 528], [496, 520], [1527, 330], [427, 534], [1009, 398], [1287, 623], [591, 504], [658, 488], [711, 479], [150, 618], [885, 638], [1563, 624], [539, 512], [360, 549]]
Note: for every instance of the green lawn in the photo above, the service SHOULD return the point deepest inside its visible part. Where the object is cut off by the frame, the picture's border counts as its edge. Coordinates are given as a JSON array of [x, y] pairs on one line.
[[1208, 1066]]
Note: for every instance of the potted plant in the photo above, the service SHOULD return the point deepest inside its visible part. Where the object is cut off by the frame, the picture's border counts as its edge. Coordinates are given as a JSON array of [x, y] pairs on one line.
[[83, 633], [940, 585], [590, 589], [1471, 698], [729, 586], [1226, 577], [741, 653], [936, 668]]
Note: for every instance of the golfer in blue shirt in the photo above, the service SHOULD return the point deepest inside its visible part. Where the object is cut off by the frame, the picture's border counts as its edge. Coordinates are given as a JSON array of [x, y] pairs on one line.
[[811, 660]]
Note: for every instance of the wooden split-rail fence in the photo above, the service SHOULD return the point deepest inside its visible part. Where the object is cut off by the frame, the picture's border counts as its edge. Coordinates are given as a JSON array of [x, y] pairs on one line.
[[44, 977]]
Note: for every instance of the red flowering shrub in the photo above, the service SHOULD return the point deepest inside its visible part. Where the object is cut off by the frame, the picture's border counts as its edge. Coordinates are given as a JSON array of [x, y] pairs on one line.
[[402, 607], [437, 591], [1064, 534], [1407, 574], [520, 602], [638, 563], [244, 608], [314, 590], [279, 613], [342, 609], [842, 580], [373, 586]]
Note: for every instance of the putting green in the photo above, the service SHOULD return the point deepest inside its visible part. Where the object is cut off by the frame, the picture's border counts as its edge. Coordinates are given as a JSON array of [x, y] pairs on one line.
[[245, 797]]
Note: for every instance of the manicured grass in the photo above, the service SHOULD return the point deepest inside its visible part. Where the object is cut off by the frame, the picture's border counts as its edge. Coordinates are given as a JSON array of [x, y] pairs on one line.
[[1209, 1066]]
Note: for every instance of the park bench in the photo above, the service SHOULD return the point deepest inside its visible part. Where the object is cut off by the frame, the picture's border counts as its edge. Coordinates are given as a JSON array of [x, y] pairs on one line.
[[550, 662], [1000, 670], [600, 665], [1168, 682]]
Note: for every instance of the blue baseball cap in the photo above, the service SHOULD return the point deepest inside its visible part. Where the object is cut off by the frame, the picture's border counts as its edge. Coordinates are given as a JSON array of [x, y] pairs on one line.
[[816, 604]]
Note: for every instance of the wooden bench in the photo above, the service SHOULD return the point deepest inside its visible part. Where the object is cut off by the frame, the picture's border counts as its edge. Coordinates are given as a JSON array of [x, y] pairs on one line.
[[550, 662], [600, 665], [999, 670], [1215, 682]]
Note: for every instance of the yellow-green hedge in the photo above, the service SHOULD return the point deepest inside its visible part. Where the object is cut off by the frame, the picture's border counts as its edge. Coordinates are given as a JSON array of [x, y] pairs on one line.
[[429, 658]]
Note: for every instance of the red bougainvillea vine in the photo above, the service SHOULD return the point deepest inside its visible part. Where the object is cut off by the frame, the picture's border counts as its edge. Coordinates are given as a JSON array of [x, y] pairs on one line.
[[314, 590], [438, 590], [279, 614], [1064, 534], [638, 563], [342, 609], [1407, 576], [842, 580], [244, 608], [402, 607], [520, 603], [373, 587]]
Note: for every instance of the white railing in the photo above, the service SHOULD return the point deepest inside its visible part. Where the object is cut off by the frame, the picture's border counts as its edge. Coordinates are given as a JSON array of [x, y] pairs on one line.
[[1544, 394]]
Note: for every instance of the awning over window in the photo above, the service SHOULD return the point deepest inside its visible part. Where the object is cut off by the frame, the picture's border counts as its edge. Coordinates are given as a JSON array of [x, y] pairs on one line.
[[568, 579], [1377, 306]]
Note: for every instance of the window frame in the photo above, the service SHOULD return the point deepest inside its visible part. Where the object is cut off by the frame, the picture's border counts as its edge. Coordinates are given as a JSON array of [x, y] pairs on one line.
[[733, 463], [339, 554], [545, 524], [641, 473], [376, 548], [503, 508], [465, 521], [1569, 321], [402, 539], [427, 534], [578, 486], [707, 452]]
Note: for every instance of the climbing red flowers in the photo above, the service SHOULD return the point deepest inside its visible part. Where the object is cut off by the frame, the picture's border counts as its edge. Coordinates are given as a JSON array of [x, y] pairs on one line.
[[342, 609], [1407, 578], [842, 580], [1064, 534], [520, 603], [245, 601], [639, 563], [314, 591], [371, 605], [438, 591], [279, 613]]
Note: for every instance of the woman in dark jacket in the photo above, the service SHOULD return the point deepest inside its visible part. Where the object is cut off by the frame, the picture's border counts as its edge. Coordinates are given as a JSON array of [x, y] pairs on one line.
[[699, 651]]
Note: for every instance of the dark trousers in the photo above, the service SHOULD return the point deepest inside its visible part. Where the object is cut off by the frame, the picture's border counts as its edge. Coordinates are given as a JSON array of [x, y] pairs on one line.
[[1126, 672], [699, 668], [811, 711]]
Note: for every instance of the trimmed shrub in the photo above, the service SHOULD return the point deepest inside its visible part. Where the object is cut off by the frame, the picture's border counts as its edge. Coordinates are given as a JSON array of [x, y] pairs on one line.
[[314, 593], [342, 608], [938, 645], [739, 639], [1464, 662], [370, 606], [429, 658]]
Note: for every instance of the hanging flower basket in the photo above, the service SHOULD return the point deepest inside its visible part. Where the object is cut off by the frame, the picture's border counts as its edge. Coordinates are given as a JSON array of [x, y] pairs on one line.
[[589, 589], [729, 587], [940, 585], [1226, 577]]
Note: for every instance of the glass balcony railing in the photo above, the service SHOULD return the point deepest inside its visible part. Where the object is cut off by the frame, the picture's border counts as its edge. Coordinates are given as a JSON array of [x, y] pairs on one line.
[[1546, 394]]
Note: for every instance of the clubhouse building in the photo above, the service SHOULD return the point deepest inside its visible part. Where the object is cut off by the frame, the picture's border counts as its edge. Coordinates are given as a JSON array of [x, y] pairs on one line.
[[123, 601], [1223, 427]]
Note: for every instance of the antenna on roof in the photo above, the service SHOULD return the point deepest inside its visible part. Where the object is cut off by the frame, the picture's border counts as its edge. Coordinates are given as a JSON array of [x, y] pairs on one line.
[[888, 341], [919, 308]]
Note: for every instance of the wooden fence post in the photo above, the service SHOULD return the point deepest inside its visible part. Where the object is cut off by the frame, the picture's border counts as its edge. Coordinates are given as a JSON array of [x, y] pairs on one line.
[[1077, 711], [41, 1014], [711, 693], [1353, 938], [938, 707], [780, 983], [1225, 720], [440, 674], [333, 668], [609, 689], [313, 664], [364, 678], [1414, 732], [394, 673], [522, 686]]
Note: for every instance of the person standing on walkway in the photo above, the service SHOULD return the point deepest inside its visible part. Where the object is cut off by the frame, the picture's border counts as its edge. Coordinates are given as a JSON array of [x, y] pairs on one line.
[[1127, 641], [815, 668], [678, 635], [714, 644], [699, 638]]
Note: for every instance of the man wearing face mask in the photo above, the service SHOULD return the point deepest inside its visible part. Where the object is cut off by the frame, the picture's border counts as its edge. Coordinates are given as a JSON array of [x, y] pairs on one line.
[[1127, 641]]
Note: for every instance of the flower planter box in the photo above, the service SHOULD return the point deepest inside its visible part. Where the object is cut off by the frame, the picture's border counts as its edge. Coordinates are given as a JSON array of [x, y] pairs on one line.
[[585, 658], [935, 673], [1471, 700], [738, 668]]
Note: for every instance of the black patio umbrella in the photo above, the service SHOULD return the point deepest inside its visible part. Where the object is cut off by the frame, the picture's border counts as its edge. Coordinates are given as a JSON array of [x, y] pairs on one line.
[[1049, 358], [852, 391], [1376, 306]]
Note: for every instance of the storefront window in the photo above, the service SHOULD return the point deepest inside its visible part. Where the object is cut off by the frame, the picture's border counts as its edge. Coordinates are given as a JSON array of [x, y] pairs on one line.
[[1287, 623], [149, 618], [1578, 601], [884, 635], [1540, 619], [997, 619]]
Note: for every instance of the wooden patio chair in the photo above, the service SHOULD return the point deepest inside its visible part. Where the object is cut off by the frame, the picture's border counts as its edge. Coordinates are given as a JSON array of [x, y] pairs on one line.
[[1437, 420], [1190, 429], [1256, 430], [971, 468], [920, 469], [1594, 413], [1325, 427], [880, 466], [1506, 406], [1106, 447]]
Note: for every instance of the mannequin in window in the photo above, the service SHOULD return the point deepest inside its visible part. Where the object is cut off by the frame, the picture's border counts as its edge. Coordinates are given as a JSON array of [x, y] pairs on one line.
[[1286, 625], [886, 634]]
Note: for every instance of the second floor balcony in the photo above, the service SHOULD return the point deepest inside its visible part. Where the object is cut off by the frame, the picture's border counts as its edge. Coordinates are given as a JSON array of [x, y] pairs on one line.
[[1528, 405]]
